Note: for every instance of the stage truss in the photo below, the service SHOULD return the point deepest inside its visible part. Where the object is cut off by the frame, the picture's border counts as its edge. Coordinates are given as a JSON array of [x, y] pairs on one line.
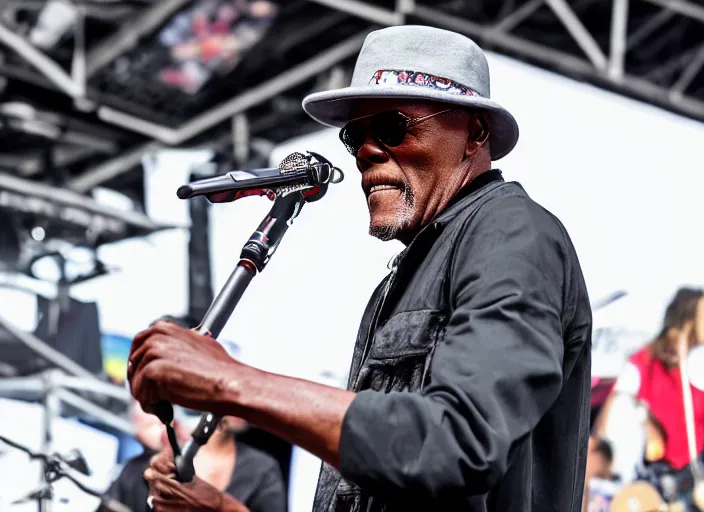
[[651, 50]]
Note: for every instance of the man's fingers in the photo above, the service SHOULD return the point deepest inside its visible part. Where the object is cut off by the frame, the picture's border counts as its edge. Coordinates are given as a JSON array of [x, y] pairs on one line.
[[139, 339], [164, 465], [139, 357], [160, 327], [143, 389], [160, 504], [161, 455], [137, 343], [160, 487]]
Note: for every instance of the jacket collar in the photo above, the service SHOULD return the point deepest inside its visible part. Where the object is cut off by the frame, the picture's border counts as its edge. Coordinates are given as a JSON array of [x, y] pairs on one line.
[[470, 192]]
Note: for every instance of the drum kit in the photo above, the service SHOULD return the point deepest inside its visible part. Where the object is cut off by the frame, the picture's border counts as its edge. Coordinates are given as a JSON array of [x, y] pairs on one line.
[[644, 496], [641, 496]]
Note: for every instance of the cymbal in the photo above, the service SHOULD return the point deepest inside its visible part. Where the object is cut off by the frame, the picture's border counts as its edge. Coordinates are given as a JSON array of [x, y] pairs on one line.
[[637, 497]]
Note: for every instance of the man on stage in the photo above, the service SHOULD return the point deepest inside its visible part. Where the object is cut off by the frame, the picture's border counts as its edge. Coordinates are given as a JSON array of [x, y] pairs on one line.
[[469, 387]]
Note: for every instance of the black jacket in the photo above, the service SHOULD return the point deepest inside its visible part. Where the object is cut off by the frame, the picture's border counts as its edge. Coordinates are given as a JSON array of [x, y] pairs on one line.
[[472, 368]]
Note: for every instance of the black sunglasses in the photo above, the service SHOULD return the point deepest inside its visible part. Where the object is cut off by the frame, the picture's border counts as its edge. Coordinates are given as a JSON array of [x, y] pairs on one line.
[[388, 128]]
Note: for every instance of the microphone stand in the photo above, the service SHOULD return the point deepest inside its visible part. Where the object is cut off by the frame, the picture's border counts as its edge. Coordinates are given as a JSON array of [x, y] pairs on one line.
[[56, 388], [690, 422], [255, 255], [55, 468]]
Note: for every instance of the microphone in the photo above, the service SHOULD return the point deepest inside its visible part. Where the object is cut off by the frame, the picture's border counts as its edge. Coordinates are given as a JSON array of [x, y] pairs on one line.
[[296, 172], [299, 179]]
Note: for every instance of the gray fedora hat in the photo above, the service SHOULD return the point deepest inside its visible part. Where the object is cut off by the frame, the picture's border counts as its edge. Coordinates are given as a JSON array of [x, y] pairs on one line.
[[423, 63]]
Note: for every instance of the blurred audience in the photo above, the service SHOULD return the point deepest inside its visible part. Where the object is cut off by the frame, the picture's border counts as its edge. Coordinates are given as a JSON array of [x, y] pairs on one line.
[[600, 457], [652, 387], [652, 378]]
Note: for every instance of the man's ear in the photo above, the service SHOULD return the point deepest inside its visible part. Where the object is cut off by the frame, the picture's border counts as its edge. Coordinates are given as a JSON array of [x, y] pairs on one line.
[[477, 135]]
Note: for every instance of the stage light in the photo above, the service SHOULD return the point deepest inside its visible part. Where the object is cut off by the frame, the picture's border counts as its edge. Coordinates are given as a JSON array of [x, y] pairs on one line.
[[38, 233], [69, 264], [46, 268]]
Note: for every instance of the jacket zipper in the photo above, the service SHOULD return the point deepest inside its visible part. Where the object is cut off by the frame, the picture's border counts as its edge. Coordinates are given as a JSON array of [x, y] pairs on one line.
[[377, 313]]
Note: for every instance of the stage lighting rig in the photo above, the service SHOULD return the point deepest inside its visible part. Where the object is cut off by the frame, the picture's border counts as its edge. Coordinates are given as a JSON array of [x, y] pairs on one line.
[[47, 223]]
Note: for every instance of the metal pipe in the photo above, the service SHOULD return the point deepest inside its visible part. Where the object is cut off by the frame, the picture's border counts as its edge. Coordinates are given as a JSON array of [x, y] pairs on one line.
[[688, 9], [78, 63], [52, 409], [688, 75], [510, 21], [579, 32], [568, 63], [96, 411], [220, 113], [619, 33], [92, 386], [112, 168], [44, 64], [70, 198], [366, 11], [130, 33], [647, 28], [47, 352]]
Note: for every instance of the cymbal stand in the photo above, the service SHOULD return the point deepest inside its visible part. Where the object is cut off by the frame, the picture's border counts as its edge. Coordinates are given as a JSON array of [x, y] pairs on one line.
[[55, 468], [55, 388]]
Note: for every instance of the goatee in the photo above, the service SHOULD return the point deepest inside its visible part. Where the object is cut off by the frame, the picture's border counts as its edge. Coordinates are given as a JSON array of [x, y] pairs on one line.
[[386, 232]]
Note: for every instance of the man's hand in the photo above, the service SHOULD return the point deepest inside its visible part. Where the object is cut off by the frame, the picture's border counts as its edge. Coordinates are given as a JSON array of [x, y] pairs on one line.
[[169, 362], [167, 494], [178, 365]]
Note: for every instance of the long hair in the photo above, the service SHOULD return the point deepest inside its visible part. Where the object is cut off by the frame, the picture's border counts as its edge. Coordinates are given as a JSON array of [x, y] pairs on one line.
[[682, 309]]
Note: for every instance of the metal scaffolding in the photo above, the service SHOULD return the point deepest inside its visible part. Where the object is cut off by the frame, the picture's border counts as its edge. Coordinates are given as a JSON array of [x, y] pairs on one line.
[[591, 62]]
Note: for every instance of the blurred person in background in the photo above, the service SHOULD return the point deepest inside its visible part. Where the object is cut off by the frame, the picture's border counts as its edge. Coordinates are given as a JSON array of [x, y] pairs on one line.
[[651, 378], [224, 464], [600, 459], [150, 431]]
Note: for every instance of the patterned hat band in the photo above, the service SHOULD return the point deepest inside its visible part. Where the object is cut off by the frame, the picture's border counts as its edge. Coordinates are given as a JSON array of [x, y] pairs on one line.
[[419, 79]]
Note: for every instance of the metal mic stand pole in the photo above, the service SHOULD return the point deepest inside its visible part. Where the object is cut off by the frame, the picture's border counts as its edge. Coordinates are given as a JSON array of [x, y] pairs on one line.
[[52, 404], [253, 258], [52, 407]]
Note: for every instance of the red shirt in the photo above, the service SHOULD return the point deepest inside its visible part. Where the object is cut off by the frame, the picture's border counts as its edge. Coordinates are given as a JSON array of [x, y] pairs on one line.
[[661, 390]]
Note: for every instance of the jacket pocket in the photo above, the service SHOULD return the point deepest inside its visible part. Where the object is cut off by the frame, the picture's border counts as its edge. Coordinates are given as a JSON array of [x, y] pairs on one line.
[[350, 498], [401, 352]]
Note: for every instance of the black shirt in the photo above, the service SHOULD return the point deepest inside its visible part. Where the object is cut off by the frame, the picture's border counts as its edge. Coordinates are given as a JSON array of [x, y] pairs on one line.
[[472, 369], [256, 482]]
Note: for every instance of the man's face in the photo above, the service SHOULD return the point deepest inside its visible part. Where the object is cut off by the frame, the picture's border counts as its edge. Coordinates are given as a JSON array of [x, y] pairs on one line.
[[407, 185], [233, 424]]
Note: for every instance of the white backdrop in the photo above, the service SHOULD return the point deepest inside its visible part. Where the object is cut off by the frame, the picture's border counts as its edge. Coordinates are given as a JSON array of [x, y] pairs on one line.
[[625, 178]]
